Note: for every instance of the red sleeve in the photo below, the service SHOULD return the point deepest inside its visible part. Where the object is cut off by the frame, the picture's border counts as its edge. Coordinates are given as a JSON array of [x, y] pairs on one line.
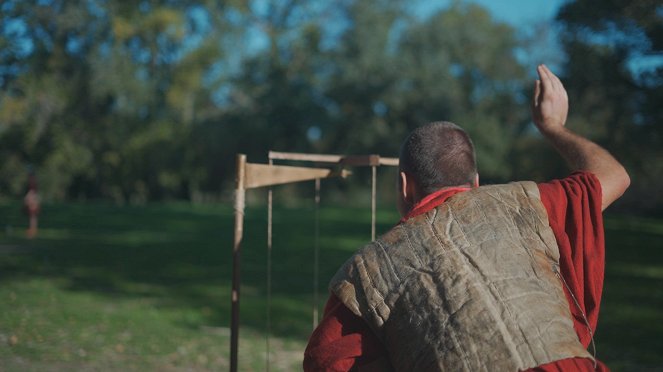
[[341, 341], [574, 211]]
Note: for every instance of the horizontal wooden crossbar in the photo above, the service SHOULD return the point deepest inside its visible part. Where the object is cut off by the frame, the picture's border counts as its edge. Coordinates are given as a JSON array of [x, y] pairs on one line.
[[259, 175], [350, 160]]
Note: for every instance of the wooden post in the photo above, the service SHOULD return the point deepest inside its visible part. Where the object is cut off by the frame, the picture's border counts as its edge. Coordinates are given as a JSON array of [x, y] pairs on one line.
[[250, 176], [373, 199], [240, 194], [316, 253]]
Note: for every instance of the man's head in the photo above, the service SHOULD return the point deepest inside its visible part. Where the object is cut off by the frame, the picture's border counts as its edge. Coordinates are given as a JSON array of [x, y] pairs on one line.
[[434, 156]]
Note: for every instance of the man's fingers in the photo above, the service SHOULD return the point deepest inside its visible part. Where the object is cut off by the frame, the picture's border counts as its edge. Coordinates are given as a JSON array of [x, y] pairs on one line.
[[548, 79], [550, 102], [540, 69], [537, 93], [554, 79], [547, 85], [550, 82], [556, 82], [536, 102]]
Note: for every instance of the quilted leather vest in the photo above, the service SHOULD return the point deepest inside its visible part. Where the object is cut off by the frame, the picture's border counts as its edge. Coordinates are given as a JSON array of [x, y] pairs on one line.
[[471, 285]]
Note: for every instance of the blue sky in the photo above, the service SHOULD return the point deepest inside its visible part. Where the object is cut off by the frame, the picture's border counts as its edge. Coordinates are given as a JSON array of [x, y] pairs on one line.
[[521, 12], [533, 19]]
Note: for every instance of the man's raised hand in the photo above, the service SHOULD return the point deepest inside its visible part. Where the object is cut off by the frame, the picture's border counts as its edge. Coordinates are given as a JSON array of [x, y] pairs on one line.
[[550, 104]]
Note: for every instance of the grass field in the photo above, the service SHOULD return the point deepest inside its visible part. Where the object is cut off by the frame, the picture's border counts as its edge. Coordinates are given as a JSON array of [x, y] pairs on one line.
[[133, 288]]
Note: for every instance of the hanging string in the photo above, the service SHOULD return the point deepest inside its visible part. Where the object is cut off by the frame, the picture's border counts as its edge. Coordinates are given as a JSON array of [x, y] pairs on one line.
[[316, 249], [584, 317], [373, 200], [269, 275]]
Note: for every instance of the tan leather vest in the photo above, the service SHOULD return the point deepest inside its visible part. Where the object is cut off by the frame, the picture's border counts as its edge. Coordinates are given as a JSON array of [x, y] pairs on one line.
[[468, 286]]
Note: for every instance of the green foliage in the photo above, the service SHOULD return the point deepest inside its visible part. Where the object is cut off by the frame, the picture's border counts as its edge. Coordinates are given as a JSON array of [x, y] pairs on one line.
[[396, 71], [152, 100], [614, 76], [102, 105]]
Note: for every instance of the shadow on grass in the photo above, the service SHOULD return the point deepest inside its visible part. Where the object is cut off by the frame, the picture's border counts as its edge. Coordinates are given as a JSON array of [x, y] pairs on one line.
[[631, 318], [180, 256]]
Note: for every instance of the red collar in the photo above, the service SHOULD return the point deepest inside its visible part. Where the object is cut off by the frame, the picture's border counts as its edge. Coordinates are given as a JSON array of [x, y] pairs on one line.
[[433, 200]]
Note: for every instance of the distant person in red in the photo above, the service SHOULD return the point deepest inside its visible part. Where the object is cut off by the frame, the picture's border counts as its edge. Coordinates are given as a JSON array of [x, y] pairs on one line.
[[491, 278], [31, 206]]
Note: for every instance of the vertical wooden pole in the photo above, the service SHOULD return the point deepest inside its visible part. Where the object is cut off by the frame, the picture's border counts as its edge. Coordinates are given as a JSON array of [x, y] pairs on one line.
[[373, 200], [316, 253], [269, 275], [240, 193]]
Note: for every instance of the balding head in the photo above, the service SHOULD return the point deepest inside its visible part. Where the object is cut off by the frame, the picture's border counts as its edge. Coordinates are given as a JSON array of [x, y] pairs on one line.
[[438, 155]]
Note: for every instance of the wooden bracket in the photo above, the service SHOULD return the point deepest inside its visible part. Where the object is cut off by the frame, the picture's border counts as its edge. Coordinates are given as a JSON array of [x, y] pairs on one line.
[[259, 175]]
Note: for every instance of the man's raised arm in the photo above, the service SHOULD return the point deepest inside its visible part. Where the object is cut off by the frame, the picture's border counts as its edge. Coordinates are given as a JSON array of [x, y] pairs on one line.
[[550, 107]]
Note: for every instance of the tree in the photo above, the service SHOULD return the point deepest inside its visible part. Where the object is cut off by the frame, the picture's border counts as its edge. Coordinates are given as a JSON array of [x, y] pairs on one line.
[[152, 99], [396, 71], [102, 96], [614, 76]]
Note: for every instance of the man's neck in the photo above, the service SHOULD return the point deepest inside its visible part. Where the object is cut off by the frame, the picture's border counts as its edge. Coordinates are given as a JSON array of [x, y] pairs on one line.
[[434, 199]]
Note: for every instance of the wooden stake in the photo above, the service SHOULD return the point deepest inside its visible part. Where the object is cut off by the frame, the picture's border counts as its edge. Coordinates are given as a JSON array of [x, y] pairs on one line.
[[269, 274], [373, 199], [316, 253], [240, 193]]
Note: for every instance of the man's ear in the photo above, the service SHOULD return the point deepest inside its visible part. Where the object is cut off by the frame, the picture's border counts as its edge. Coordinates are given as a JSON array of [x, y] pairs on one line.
[[408, 188], [406, 193], [402, 190]]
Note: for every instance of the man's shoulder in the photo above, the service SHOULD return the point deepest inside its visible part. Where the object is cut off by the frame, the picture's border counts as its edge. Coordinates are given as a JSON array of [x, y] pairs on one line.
[[577, 186], [527, 186], [583, 179], [517, 190]]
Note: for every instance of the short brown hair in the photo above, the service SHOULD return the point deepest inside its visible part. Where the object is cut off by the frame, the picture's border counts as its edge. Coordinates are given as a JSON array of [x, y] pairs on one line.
[[437, 155]]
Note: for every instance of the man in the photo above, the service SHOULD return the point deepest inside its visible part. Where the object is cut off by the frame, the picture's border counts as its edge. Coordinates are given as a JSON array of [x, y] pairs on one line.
[[502, 277], [31, 206]]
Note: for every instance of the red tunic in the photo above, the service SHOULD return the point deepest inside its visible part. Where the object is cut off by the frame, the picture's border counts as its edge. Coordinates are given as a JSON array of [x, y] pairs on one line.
[[343, 340]]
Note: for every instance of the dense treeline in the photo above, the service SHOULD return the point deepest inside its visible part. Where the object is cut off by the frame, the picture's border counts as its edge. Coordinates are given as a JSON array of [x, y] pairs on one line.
[[148, 100], [614, 75]]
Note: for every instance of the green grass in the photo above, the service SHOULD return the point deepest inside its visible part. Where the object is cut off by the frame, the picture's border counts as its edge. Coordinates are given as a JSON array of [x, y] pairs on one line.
[[629, 335], [147, 288], [133, 288]]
